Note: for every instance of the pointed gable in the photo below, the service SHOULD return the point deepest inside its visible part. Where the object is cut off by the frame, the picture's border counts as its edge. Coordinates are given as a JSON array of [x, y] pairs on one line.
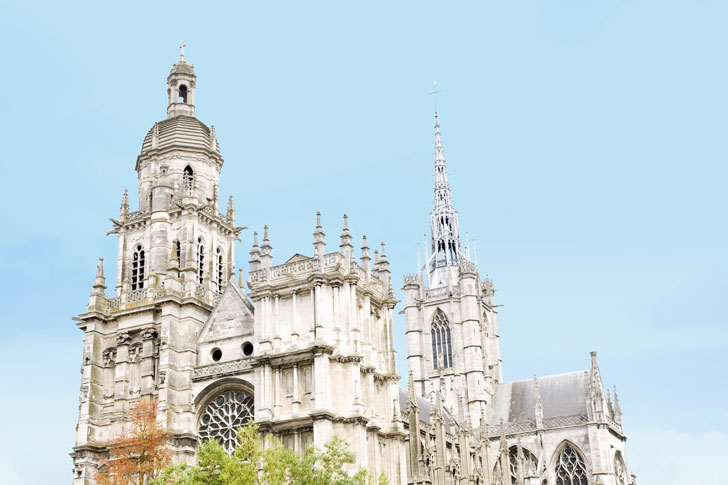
[[233, 316]]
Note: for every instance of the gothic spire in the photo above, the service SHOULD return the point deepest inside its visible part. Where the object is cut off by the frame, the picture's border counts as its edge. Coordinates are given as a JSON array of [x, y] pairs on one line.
[[444, 226]]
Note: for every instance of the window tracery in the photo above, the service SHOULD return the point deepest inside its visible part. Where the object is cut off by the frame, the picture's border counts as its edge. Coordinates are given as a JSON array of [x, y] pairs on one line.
[[224, 415], [619, 470], [527, 463], [137, 269], [441, 341], [570, 468]]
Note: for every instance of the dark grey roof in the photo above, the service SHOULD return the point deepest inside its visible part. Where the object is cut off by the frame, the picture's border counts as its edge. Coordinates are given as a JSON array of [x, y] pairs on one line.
[[180, 131], [561, 395], [424, 406]]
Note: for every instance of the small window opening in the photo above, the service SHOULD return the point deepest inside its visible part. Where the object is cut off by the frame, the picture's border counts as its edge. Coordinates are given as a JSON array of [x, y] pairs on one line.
[[219, 269], [182, 94], [137, 269], [216, 354], [188, 178], [201, 262], [247, 349]]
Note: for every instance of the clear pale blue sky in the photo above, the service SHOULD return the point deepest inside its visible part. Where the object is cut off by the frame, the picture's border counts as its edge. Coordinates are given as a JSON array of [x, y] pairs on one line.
[[585, 143]]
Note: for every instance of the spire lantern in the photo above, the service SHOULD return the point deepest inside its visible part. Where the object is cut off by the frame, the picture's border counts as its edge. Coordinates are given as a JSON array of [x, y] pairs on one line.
[[181, 84]]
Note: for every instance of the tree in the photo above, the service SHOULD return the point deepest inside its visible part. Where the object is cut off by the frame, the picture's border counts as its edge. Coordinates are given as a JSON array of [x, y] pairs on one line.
[[258, 461], [140, 453]]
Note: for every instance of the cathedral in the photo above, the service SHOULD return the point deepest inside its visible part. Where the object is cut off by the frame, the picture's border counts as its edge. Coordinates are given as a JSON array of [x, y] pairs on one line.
[[307, 350]]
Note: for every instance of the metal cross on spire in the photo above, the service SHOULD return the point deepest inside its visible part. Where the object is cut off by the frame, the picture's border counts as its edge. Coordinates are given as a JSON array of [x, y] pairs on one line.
[[182, 51], [434, 94]]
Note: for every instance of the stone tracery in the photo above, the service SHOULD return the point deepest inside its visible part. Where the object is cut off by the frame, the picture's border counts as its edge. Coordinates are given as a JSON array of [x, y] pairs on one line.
[[224, 415], [570, 468]]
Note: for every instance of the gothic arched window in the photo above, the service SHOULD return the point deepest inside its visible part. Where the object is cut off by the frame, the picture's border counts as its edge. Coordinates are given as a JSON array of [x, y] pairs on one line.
[[219, 264], [224, 415], [182, 94], [570, 468], [620, 471], [200, 261], [526, 464], [188, 178], [441, 341], [137, 269]]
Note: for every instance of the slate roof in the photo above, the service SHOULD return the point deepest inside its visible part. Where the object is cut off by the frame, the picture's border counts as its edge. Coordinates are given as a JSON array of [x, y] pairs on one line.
[[561, 395], [180, 131], [424, 406]]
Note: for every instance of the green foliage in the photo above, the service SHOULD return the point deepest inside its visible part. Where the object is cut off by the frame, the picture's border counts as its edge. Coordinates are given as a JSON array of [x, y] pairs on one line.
[[258, 461]]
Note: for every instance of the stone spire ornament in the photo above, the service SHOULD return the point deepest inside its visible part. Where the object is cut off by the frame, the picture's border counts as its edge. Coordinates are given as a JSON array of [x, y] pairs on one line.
[[319, 239], [538, 404], [266, 250], [365, 259], [254, 263], [230, 214], [444, 226], [124, 210]]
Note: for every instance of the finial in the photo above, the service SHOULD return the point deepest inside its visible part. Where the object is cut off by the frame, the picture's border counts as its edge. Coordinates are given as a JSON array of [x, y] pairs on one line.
[[182, 51], [265, 233], [125, 204], [213, 140], [346, 222], [99, 282], [376, 256], [230, 215], [384, 256], [240, 278], [318, 219], [155, 135], [255, 238]]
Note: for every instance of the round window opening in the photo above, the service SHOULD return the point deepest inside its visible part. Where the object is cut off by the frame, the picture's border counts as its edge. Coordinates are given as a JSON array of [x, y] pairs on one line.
[[216, 354], [247, 348]]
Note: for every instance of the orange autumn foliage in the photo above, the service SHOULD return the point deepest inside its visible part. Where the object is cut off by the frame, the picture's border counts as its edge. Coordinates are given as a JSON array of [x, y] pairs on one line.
[[140, 453]]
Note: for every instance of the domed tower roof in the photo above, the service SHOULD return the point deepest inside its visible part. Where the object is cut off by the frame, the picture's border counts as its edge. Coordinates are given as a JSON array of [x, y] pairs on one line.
[[180, 132]]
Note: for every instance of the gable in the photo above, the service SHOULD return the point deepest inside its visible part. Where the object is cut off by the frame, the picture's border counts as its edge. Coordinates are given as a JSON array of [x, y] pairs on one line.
[[233, 316], [297, 257]]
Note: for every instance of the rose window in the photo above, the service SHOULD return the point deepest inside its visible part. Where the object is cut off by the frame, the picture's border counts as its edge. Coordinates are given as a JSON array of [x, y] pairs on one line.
[[224, 415], [570, 469]]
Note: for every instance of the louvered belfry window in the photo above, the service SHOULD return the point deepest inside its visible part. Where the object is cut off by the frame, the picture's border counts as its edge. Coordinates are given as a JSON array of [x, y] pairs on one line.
[[441, 341], [137, 269]]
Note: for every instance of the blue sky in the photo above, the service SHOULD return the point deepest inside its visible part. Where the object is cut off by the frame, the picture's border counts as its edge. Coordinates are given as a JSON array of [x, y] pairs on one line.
[[586, 149]]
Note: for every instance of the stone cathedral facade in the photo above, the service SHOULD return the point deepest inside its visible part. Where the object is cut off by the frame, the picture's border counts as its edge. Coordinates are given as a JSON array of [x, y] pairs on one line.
[[307, 351]]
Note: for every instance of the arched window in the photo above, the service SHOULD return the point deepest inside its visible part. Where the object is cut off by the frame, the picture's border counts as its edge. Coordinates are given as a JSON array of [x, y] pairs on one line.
[[219, 264], [525, 465], [224, 415], [182, 94], [570, 468], [188, 178], [137, 269], [200, 261], [178, 253], [620, 471], [441, 341]]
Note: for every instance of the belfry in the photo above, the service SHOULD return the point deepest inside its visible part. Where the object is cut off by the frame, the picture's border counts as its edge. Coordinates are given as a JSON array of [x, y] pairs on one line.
[[307, 351]]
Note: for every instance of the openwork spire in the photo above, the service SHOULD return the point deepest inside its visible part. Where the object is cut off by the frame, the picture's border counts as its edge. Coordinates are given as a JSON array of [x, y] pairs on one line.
[[444, 225]]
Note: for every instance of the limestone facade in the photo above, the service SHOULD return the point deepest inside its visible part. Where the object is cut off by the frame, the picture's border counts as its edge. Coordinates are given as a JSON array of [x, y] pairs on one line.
[[307, 352]]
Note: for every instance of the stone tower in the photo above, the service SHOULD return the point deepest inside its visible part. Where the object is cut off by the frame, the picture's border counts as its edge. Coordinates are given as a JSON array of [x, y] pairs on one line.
[[452, 327], [175, 258]]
